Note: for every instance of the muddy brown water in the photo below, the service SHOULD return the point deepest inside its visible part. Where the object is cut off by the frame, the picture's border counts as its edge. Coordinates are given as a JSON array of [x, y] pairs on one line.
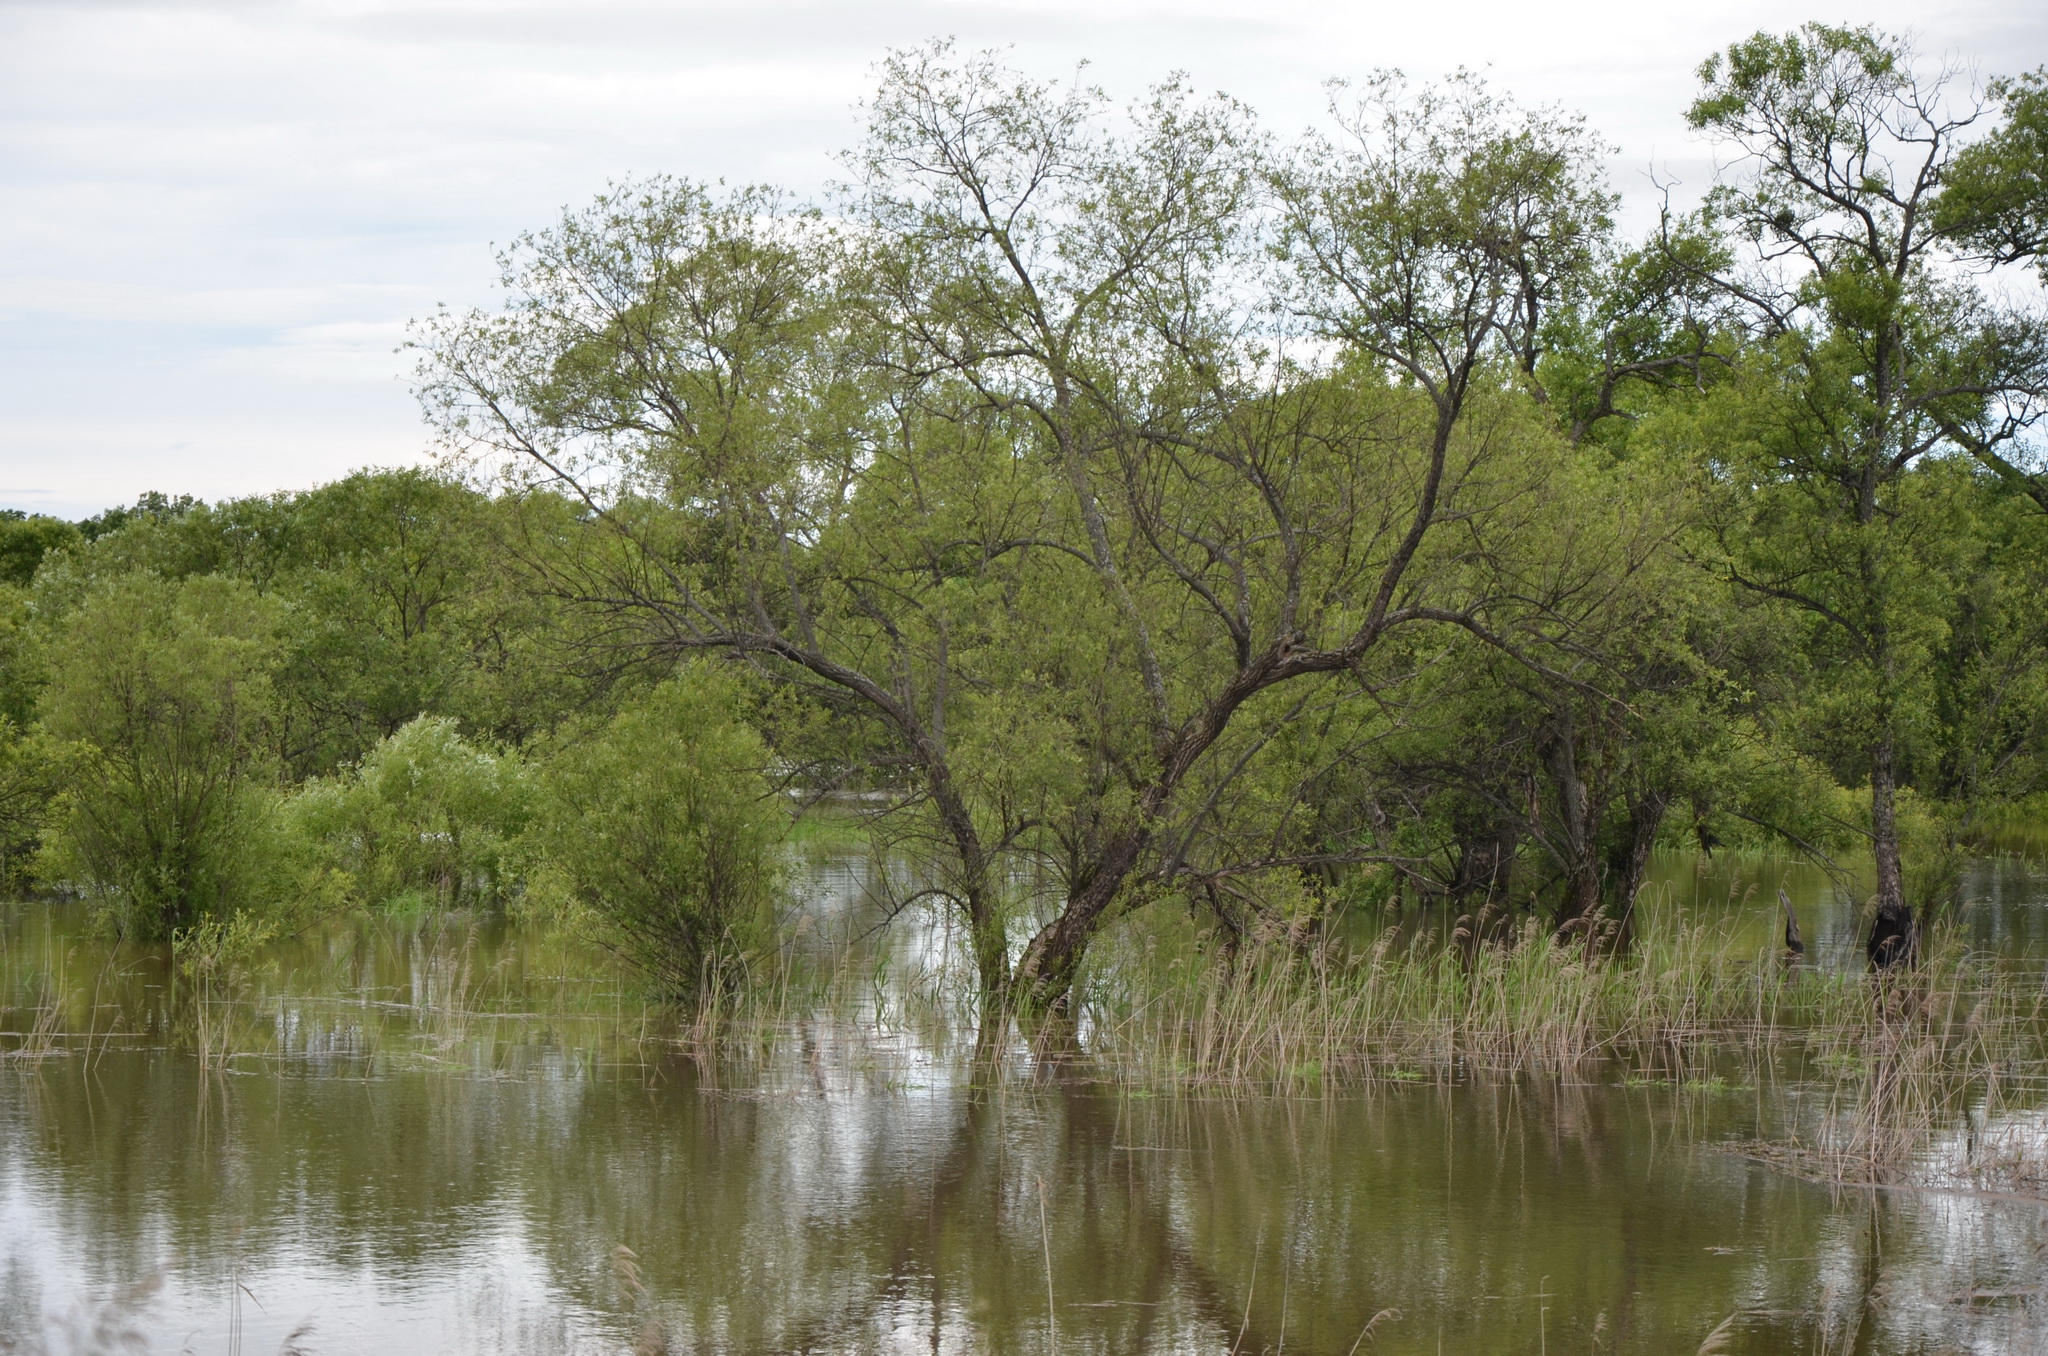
[[468, 1136]]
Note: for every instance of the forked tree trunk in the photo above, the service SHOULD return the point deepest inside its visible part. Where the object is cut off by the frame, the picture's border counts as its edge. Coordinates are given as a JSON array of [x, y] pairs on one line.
[[1045, 973]]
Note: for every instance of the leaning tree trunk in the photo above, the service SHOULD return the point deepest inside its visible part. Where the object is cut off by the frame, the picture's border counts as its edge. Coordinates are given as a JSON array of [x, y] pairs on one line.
[[1045, 974]]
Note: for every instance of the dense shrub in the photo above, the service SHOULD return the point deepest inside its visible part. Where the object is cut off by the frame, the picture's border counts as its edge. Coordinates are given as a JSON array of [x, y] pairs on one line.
[[661, 829], [425, 819], [159, 705], [28, 781]]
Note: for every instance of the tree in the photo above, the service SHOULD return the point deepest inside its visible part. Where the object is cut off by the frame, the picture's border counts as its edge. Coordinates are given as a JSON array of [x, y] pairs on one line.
[[1051, 444], [1994, 205], [405, 602], [1985, 744], [25, 539], [403, 598], [29, 781], [163, 691], [1995, 191], [1879, 355]]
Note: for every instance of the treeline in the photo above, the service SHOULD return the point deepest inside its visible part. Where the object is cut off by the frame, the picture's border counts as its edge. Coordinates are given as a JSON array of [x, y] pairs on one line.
[[258, 712], [1154, 513]]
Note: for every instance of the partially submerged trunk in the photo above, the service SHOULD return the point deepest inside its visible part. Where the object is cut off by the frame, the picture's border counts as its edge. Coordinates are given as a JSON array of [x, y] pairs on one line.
[[1894, 933], [1486, 861], [1046, 971], [1795, 945]]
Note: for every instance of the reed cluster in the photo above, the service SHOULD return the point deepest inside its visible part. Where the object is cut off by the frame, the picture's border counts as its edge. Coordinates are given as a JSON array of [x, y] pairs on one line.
[[1684, 997], [1933, 1077]]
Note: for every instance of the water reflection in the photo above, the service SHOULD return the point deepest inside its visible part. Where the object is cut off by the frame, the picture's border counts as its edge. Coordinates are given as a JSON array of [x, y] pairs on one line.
[[2003, 904], [426, 1211], [449, 1134]]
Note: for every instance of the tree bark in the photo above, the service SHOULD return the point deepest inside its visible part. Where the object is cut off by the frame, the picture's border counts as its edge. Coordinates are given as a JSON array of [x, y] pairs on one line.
[[1894, 934], [1631, 861], [1578, 823]]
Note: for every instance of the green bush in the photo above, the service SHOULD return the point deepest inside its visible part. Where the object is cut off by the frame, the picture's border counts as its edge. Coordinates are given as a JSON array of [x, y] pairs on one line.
[[159, 705], [424, 820], [661, 830], [29, 778]]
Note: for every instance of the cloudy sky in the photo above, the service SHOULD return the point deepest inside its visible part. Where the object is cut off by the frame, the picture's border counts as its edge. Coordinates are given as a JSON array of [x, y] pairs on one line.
[[216, 216]]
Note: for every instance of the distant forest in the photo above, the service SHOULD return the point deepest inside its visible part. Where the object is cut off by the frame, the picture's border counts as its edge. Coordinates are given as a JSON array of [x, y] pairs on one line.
[[1132, 508]]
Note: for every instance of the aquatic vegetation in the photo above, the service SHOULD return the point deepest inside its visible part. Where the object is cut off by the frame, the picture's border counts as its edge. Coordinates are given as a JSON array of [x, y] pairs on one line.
[[1686, 996]]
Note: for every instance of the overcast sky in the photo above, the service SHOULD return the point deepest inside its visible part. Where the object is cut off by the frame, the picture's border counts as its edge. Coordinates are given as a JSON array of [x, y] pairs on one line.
[[216, 216]]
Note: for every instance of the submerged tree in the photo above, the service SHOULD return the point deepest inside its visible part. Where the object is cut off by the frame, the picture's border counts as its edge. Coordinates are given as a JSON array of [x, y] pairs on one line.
[[1874, 353], [426, 817], [661, 827], [1052, 470]]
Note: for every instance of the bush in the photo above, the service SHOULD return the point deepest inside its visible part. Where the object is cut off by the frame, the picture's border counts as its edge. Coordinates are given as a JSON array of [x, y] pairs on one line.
[[159, 702], [426, 818], [661, 829], [29, 778]]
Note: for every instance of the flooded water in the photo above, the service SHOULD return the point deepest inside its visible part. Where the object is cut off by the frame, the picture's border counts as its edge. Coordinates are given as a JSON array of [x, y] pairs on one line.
[[470, 1138]]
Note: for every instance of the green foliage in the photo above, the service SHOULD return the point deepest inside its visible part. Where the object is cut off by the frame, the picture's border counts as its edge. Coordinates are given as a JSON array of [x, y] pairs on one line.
[[161, 692], [1876, 367], [1138, 510], [26, 539], [153, 506], [660, 829], [1441, 216], [29, 781], [404, 596], [21, 656], [395, 611], [425, 820], [214, 950], [1995, 200]]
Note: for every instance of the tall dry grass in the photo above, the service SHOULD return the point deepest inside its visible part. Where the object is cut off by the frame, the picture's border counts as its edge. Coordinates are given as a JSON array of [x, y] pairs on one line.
[[1938, 1075], [1684, 996]]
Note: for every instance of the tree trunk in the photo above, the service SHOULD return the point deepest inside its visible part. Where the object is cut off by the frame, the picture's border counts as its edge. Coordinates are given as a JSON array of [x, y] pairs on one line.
[[1894, 935], [1578, 822], [1501, 878], [1486, 860], [1046, 971], [1631, 861], [991, 953]]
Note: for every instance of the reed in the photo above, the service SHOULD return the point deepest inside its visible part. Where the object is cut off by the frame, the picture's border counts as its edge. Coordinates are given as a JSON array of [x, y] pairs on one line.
[[1948, 1062]]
